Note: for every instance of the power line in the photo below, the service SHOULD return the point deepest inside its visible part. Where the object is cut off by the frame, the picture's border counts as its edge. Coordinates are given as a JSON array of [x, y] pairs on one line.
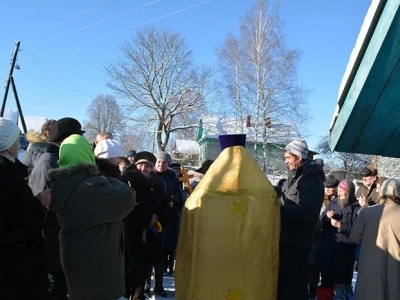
[[101, 21], [128, 28], [45, 86], [40, 61], [176, 12], [75, 90], [74, 17]]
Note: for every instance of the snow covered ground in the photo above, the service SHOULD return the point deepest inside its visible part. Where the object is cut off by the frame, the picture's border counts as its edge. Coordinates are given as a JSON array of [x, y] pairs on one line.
[[169, 286]]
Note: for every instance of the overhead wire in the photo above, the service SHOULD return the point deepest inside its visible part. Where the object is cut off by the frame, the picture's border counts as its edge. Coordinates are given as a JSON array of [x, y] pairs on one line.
[[76, 16], [152, 20], [34, 78], [128, 28], [176, 12], [101, 21], [41, 61], [73, 89]]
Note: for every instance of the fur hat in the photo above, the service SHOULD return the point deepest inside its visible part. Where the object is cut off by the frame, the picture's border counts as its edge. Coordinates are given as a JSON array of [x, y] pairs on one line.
[[109, 149], [164, 156], [9, 133], [63, 128], [298, 147], [145, 157], [369, 171]]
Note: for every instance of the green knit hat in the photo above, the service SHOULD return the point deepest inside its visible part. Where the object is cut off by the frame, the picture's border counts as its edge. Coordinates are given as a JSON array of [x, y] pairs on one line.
[[75, 150]]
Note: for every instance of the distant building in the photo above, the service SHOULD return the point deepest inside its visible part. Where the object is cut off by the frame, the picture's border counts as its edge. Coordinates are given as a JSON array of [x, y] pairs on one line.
[[278, 136], [32, 123], [186, 152]]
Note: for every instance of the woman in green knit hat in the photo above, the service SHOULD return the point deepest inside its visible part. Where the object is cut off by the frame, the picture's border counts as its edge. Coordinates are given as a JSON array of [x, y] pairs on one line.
[[90, 210]]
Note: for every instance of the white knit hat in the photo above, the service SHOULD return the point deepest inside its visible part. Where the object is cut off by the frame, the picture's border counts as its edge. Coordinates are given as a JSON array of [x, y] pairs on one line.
[[298, 147], [109, 149], [9, 133]]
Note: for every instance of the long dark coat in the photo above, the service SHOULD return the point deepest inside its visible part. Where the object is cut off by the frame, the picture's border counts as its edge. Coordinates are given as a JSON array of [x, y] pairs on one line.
[[23, 272], [337, 253], [173, 194], [42, 157], [150, 200]]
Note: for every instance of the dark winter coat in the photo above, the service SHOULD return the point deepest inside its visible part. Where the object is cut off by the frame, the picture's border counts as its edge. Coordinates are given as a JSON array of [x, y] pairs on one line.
[[173, 194], [23, 272], [337, 253], [370, 193], [90, 209], [150, 200], [41, 158], [302, 194]]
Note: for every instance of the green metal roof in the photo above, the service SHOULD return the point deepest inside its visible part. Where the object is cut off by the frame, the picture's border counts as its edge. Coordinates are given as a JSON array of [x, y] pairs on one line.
[[368, 116]]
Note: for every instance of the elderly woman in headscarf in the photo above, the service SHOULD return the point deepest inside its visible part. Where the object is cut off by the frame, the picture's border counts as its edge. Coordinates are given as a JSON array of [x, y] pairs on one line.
[[337, 253], [90, 209], [23, 273], [378, 229]]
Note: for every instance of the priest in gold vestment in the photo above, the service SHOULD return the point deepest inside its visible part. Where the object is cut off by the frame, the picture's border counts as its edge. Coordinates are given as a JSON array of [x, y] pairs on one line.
[[228, 245]]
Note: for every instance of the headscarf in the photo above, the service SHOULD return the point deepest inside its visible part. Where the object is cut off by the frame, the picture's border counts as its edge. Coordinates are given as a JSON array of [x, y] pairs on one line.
[[75, 150]]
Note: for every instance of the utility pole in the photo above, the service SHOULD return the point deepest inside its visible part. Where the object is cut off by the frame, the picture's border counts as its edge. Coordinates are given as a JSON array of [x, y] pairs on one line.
[[21, 116], [10, 81], [7, 87]]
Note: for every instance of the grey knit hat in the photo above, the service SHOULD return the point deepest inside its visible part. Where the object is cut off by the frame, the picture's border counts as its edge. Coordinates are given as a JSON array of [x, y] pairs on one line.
[[164, 156], [298, 147]]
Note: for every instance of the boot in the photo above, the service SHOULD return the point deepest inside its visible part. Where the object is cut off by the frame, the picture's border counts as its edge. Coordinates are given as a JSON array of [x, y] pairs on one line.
[[159, 290], [138, 294], [348, 292], [158, 279], [339, 292], [312, 292], [147, 286]]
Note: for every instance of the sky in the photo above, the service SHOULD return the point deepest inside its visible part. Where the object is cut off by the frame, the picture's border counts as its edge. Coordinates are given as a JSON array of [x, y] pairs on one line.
[[66, 44]]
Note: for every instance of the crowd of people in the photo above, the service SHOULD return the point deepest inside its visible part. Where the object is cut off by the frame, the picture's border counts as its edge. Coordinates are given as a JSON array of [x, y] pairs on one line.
[[327, 235], [83, 220]]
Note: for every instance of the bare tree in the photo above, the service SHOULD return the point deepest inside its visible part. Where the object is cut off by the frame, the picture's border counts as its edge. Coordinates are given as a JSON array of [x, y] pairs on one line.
[[157, 76], [104, 114], [388, 166], [189, 117], [261, 73], [134, 141], [349, 162], [232, 69]]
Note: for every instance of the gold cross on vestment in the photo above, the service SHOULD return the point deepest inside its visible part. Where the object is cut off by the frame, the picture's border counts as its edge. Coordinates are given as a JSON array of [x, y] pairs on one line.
[[185, 179]]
